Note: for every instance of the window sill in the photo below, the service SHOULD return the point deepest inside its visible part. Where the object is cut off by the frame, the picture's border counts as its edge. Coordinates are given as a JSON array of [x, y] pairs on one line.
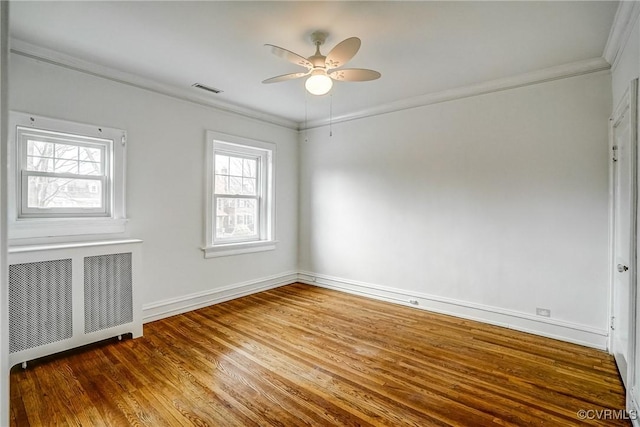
[[238, 248], [75, 245], [55, 227]]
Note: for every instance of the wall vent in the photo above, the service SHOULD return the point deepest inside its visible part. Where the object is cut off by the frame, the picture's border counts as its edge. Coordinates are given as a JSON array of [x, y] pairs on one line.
[[40, 301], [107, 291], [207, 88]]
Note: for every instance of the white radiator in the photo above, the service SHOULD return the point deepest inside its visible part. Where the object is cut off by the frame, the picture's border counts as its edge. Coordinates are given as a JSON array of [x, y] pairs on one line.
[[67, 295]]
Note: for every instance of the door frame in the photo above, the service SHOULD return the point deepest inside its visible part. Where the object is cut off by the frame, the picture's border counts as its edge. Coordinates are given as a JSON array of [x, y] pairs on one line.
[[628, 103]]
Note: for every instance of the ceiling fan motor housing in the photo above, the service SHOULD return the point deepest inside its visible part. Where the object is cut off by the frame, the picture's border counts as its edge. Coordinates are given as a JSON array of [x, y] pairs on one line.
[[319, 37]]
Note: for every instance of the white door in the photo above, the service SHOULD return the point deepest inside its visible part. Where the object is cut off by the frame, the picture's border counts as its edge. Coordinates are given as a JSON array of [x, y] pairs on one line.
[[623, 136]]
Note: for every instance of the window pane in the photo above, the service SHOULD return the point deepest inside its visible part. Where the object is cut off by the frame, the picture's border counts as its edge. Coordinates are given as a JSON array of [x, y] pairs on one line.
[[40, 164], [249, 168], [249, 186], [39, 148], [221, 184], [90, 168], [222, 164], [236, 218], [235, 164], [66, 166], [64, 151], [235, 185], [91, 154], [47, 192]]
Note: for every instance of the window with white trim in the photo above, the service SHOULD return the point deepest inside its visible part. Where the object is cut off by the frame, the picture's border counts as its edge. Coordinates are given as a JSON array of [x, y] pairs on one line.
[[65, 178], [240, 206], [63, 175]]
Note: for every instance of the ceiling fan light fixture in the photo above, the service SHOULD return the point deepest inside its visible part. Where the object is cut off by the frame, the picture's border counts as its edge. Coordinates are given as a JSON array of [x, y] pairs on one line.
[[318, 84], [321, 70]]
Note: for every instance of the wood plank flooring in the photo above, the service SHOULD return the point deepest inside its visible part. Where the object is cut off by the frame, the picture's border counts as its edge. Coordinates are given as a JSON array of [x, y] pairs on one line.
[[302, 355]]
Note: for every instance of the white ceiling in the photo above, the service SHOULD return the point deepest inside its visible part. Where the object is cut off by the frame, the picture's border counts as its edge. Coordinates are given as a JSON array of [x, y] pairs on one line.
[[419, 47]]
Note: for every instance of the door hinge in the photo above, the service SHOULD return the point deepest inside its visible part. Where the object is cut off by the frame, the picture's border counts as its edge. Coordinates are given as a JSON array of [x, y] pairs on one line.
[[615, 153], [611, 325]]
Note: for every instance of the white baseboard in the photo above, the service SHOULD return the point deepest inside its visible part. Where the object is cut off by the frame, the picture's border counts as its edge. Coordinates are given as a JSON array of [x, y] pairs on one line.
[[170, 307], [551, 328]]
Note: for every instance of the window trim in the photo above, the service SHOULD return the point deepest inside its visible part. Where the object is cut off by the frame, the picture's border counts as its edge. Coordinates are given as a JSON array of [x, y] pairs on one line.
[[30, 225], [241, 147]]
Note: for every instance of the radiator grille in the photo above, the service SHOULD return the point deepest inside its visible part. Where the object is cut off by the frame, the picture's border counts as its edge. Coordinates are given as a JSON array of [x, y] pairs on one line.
[[39, 304], [107, 291]]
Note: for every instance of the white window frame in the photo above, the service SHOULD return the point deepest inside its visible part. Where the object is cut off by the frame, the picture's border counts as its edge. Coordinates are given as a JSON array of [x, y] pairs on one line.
[[104, 145], [264, 152], [261, 157], [34, 223]]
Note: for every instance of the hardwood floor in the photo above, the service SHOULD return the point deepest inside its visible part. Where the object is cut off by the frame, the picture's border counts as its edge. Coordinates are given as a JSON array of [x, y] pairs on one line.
[[301, 355]]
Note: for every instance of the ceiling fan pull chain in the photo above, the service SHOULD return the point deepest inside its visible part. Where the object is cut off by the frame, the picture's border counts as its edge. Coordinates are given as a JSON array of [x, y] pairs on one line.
[[330, 114], [306, 128]]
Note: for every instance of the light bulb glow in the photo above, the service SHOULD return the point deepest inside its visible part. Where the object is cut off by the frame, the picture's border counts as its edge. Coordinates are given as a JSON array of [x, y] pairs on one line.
[[318, 84]]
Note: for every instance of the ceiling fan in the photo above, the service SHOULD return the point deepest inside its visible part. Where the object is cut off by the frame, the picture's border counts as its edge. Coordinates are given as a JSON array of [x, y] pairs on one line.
[[322, 70]]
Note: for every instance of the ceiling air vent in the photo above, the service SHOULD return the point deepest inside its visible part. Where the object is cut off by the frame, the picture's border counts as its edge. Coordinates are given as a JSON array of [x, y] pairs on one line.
[[207, 88]]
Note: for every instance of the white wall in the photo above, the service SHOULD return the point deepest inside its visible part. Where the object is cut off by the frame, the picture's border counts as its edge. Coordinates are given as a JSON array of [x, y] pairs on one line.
[[165, 175], [486, 207], [627, 67]]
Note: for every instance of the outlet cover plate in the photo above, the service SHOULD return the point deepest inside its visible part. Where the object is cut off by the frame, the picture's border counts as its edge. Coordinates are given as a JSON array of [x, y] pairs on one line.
[[544, 312]]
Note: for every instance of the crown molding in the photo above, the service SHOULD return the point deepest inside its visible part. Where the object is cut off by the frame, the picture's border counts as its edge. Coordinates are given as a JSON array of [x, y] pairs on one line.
[[39, 53], [623, 23], [545, 75]]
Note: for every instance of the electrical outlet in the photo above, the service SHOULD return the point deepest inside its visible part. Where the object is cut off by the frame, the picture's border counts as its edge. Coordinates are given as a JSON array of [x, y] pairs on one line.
[[413, 301], [544, 312]]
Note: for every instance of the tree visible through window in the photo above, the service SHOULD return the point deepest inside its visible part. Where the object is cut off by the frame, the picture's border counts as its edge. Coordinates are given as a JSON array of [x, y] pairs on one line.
[[63, 174], [83, 190]]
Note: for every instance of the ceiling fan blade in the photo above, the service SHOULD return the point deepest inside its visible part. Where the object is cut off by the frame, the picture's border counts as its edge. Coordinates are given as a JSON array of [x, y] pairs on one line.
[[342, 53], [285, 77], [354, 75], [289, 56]]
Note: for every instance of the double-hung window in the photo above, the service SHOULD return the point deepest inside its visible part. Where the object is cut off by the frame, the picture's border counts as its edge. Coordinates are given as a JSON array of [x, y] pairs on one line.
[[65, 178], [240, 204], [237, 196], [63, 175]]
